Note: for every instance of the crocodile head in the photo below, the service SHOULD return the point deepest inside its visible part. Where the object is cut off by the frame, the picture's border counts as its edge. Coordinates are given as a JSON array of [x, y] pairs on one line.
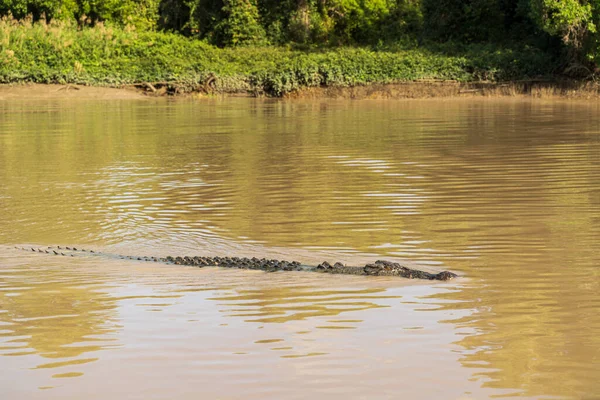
[[445, 276]]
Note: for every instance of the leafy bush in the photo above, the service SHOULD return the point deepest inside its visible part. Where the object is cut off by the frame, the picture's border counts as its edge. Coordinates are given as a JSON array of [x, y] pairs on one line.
[[60, 52]]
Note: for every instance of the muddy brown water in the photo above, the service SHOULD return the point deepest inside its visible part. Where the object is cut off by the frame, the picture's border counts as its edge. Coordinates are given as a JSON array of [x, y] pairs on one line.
[[504, 192]]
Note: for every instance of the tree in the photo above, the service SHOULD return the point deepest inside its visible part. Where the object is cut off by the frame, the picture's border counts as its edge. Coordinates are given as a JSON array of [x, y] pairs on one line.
[[470, 20], [20, 9], [571, 20], [140, 13], [236, 23], [174, 15]]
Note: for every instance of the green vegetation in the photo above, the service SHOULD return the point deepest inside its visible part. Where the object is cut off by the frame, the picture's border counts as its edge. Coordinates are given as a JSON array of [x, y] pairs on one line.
[[277, 46]]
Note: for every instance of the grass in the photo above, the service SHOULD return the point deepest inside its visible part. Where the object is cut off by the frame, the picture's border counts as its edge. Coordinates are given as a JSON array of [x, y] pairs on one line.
[[106, 56]]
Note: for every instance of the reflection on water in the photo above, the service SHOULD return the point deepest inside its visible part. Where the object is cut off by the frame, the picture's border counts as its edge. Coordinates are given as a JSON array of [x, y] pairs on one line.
[[281, 305], [504, 192], [49, 315], [53, 315]]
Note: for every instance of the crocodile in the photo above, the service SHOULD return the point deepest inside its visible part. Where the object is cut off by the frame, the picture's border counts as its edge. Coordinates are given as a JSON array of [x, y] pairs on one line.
[[377, 268]]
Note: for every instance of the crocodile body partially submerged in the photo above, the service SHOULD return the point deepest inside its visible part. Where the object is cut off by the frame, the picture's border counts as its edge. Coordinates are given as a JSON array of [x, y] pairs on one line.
[[378, 268]]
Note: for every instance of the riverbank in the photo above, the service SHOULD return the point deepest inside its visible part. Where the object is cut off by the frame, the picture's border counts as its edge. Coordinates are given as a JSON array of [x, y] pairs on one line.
[[409, 90], [35, 91], [165, 63], [423, 90]]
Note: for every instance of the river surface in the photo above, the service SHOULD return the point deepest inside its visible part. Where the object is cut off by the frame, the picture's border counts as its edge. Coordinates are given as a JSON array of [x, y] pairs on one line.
[[505, 193]]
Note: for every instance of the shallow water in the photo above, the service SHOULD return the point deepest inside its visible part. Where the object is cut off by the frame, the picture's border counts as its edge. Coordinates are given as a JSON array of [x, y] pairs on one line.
[[504, 192]]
